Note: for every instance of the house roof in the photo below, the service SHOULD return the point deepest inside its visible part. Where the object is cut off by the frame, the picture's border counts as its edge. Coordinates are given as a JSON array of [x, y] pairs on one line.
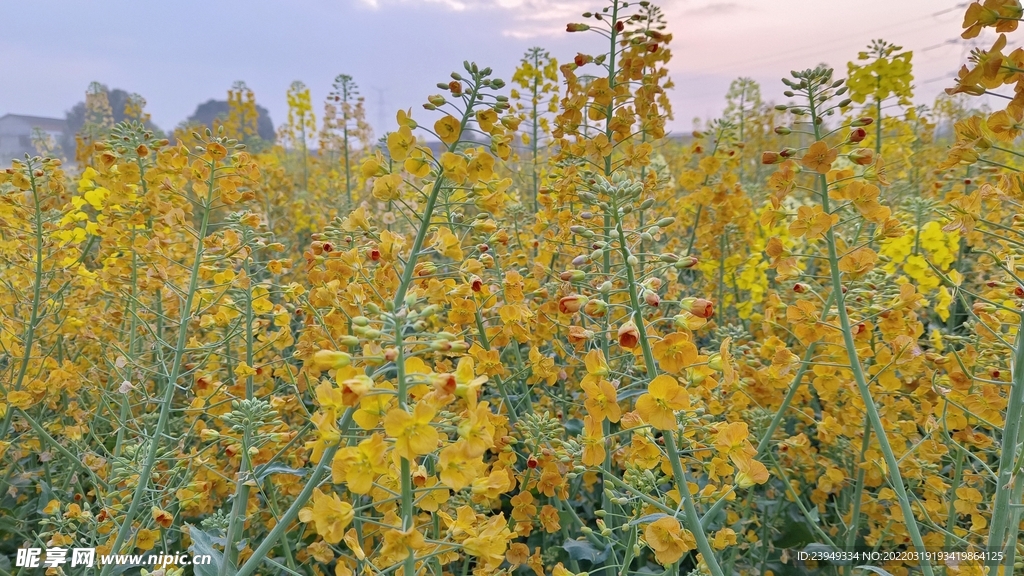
[[51, 124]]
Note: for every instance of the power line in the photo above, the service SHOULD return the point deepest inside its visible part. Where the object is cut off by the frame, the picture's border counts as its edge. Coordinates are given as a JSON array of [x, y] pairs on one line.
[[957, 7], [810, 50], [941, 44]]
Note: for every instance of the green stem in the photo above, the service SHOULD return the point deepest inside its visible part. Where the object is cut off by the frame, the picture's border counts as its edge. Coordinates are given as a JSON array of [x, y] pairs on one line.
[[858, 489], [408, 514], [428, 211], [766, 439], [691, 518], [1003, 533], [958, 471], [321, 470], [176, 365], [895, 477], [236, 522]]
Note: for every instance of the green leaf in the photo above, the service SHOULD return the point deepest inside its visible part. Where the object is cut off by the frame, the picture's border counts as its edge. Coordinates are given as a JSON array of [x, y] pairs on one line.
[[631, 393], [122, 568], [574, 426], [262, 472], [649, 518], [822, 547], [45, 495], [202, 543], [585, 550], [795, 532], [874, 569]]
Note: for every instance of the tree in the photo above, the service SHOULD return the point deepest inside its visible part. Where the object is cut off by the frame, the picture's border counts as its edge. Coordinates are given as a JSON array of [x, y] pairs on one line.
[[101, 109], [213, 111]]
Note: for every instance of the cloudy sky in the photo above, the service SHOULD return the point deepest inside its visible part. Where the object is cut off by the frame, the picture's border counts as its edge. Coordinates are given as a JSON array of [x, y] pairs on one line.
[[178, 54]]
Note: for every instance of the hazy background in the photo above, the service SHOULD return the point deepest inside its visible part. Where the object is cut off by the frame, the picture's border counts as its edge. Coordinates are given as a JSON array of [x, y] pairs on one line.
[[180, 53]]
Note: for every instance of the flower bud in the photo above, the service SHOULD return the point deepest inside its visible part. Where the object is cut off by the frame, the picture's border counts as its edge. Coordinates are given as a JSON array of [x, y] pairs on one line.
[[573, 276], [445, 383], [353, 389], [571, 304], [652, 298], [576, 27], [783, 130], [862, 156], [425, 269], [856, 135], [980, 307], [769, 158], [699, 307], [595, 308], [865, 121], [800, 288], [685, 263], [628, 335], [331, 359]]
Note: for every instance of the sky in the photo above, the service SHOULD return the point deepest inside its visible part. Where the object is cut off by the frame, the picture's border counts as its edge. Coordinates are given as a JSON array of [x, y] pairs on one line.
[[181, 53]]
